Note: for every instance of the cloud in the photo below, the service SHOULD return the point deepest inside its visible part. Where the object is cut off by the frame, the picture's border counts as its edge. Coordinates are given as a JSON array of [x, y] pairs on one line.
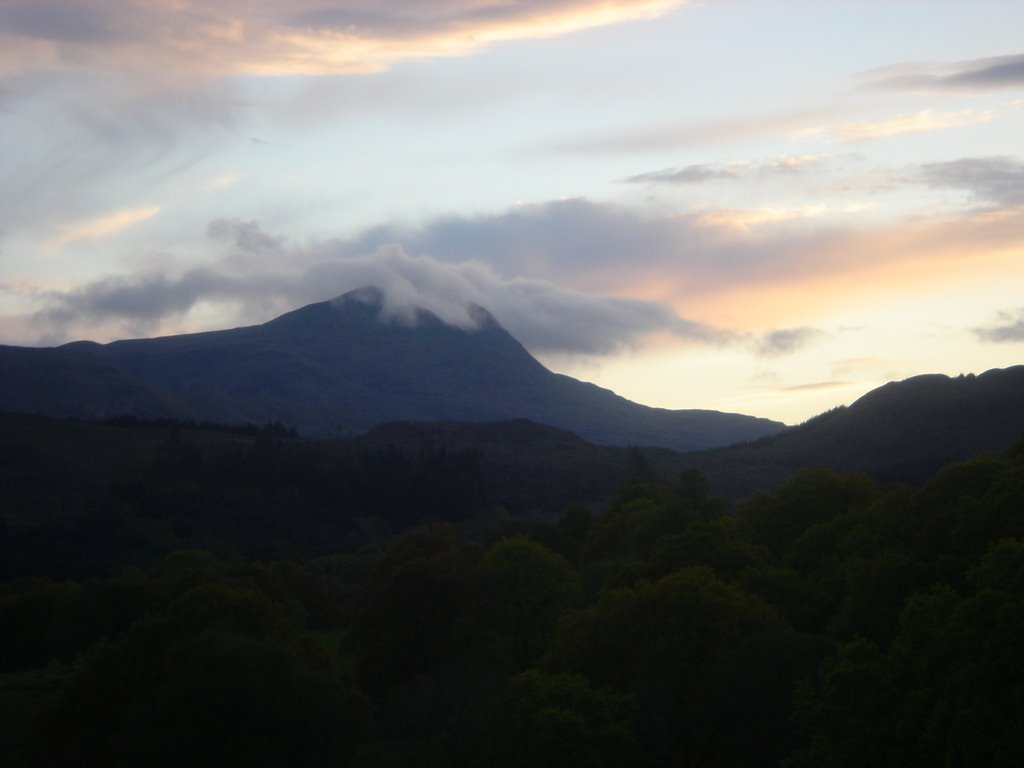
[[698, 257], [786, 341], [223, 181], [600, 247], [542, 315], [997, 72], [705, 267], [143, 300], [819, 385], [58, 22], [553, 240], [246, 236], [549, 257], [82, 144], [972, 75], [286, 37], [788, 164], [103, 226], [691, 174], [925, 121], [995, 180], [676, 135], [696, 174], [746, 220], [1009, 330], [131, 93], [592, 247]]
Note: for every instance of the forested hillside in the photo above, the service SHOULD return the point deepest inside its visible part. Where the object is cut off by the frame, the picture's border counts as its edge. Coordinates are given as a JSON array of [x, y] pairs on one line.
[[904, 431], [834, 623], [85, 498]]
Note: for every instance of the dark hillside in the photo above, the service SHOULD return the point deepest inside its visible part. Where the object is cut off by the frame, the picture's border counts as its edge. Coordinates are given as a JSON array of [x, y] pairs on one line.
[[83, 498], [904, 431]]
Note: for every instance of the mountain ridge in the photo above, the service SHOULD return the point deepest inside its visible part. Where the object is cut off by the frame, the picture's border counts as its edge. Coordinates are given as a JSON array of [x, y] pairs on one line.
[[902, 431], [338, 367]]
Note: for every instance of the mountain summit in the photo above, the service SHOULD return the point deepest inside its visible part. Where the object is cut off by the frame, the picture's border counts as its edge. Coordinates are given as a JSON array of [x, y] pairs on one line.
[[342, 367]]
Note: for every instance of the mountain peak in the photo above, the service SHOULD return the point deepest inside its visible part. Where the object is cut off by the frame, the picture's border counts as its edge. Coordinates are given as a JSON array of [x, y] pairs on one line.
[[367, 357], [370, 295], [412, 308]]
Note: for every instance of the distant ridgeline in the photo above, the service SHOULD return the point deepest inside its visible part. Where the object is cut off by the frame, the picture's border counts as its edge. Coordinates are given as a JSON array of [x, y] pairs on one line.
[[904, 431], [134, 422], [338, 368]]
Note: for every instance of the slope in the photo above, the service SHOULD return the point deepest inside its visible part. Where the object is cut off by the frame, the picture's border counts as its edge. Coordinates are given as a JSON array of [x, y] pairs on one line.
[[903, 431]]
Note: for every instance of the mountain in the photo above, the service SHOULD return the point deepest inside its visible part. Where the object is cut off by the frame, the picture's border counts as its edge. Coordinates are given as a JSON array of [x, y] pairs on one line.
[[903, 431], [336, 368]]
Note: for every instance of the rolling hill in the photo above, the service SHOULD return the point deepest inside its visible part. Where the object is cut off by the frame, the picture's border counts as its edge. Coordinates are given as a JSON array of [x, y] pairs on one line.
[[903, 431]]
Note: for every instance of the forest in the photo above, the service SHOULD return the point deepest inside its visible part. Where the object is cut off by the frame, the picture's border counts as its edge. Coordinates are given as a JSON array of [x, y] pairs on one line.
[[194, 596]]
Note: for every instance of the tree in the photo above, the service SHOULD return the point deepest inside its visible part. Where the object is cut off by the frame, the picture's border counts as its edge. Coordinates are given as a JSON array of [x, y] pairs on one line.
[[418, 609], [220, 677], [658, 641], [565, 720], [847, 715], [528, 588]]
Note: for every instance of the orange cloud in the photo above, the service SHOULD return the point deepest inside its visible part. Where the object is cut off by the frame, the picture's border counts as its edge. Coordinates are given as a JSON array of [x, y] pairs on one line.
[[881, 265], [284, 38], [747, 220], [925, 121], [103, 226]]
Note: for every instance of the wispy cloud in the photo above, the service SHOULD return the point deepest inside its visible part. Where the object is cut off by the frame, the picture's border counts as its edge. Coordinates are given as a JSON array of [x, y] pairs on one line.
[[786, 341], [867, 364], [819, 385], [991, 180], [925, 121], [103, 226], [1008, 328], [223, 181], [691, 174], [996, 72], [971, 75], [78, 143], [744, 220], [285, 37], [679, 135], [786, 165]]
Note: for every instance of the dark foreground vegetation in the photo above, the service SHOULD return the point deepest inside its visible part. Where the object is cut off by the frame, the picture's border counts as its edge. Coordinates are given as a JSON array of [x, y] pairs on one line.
[[185, 597]]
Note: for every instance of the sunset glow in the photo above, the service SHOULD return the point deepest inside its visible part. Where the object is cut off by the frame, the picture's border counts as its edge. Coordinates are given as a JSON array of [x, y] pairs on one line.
[[764, 207]]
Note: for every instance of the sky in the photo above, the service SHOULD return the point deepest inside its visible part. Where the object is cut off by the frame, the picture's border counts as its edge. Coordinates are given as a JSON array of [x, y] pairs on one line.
[[759, 206]]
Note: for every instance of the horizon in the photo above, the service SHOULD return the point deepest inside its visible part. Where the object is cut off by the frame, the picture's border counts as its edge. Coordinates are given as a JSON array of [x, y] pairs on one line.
[[406, 314], [760, 208]]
